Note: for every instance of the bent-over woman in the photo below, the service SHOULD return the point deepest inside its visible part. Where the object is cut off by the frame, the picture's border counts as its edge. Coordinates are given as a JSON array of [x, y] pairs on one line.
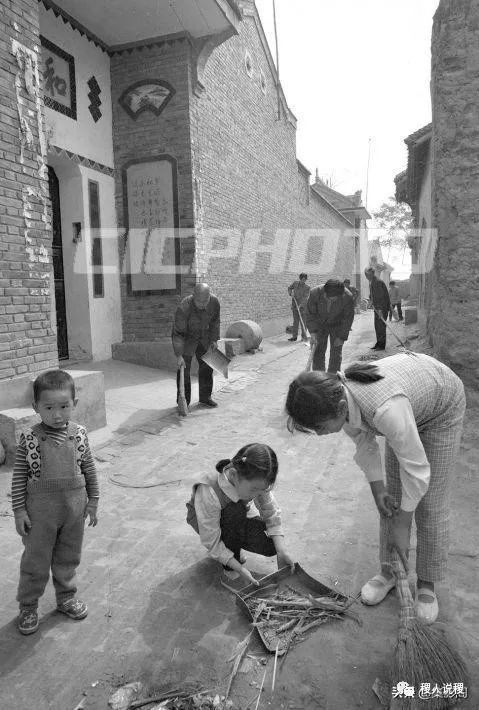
[[417, 404]]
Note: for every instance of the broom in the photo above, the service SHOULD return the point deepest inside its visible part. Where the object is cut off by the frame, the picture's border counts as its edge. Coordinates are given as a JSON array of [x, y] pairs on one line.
[[423, 654], [304, 329], [182, 405]]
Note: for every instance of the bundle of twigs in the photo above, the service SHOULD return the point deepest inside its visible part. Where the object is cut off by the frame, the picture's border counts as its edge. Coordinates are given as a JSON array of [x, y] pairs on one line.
[[423, 654], [288, 614]]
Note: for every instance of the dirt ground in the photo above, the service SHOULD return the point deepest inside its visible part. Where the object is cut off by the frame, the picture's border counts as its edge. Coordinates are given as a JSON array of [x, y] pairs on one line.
[[156, 611]]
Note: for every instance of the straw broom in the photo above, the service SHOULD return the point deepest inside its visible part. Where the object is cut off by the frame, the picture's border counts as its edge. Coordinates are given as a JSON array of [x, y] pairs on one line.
[[182, 406], [423, 654]]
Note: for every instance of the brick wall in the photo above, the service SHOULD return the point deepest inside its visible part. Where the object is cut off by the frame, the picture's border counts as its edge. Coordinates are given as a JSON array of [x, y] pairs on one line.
[[244, 158], [237, 171], [27, 339], [148, 317]]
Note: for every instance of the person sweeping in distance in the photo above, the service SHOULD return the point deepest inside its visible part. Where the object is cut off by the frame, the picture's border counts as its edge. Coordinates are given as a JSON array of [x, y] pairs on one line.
[[221, 510], [417, 404]]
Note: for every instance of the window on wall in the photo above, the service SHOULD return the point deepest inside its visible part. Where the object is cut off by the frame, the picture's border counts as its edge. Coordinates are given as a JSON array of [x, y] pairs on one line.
[[96, 245]]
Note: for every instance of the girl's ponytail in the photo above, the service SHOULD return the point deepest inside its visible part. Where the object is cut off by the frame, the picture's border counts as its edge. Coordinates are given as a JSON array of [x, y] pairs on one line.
[[222, 464], [363, 372], [256, 461]]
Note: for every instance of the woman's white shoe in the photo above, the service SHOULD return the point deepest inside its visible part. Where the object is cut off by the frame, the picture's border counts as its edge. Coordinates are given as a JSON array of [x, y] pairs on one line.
[[377, 589], [427, 608]]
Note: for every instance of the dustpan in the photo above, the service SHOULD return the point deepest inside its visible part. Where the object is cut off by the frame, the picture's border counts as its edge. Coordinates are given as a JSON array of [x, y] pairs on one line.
[[217, 360]]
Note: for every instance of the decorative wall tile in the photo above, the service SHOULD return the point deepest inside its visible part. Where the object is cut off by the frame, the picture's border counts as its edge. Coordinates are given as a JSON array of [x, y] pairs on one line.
[[94, 96]]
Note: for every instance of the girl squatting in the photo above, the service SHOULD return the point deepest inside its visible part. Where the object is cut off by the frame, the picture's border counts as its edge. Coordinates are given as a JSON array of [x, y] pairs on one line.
[[233, 509]]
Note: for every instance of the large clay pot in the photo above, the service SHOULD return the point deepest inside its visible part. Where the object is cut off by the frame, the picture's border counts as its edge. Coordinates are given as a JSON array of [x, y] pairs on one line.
[[249, 332]]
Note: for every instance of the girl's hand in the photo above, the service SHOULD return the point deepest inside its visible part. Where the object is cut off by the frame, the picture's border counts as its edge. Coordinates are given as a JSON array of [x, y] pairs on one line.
[[90, 510], [246, 574], [284, 558], [22, 522]]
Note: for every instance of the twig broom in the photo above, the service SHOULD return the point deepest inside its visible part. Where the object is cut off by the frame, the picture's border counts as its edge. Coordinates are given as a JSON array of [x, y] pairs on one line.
[[423, 653], [182, 405]]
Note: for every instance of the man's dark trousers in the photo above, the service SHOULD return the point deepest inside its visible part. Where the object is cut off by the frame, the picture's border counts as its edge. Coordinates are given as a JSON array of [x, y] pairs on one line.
[[335, 351], [380, 326], [205, 376]]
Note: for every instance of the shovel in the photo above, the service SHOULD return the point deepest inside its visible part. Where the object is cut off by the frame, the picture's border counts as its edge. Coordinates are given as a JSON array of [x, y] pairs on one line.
[[182, 405]]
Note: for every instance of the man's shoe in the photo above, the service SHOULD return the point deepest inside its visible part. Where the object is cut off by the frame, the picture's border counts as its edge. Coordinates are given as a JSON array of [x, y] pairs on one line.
[[377, 589], [427, 607], [27, 622], [292, 340], [209, 402], [374, 347], [74, 608]]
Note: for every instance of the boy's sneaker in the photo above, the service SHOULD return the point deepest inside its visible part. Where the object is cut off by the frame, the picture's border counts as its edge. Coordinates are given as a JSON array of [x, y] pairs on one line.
[[27, 621], [74, 608]]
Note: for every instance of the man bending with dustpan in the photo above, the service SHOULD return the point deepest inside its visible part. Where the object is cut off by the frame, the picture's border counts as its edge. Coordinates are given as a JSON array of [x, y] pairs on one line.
[[196, 329]]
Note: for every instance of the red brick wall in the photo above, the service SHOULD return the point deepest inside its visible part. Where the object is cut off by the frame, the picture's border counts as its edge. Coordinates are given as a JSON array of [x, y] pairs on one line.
[[245, 160], [237, 169], [148, 317], [27, 340]]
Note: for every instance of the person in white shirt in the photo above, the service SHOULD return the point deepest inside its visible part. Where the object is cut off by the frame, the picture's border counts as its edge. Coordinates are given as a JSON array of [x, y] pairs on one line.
[[417, 404], [233, 509]]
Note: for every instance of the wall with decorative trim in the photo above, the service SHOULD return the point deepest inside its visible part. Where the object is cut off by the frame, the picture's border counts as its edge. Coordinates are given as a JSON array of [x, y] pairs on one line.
[[143, 133], [90, 134]]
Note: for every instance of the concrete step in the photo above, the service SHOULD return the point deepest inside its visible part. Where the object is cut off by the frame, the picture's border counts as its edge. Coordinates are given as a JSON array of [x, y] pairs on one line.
[[90, 410]]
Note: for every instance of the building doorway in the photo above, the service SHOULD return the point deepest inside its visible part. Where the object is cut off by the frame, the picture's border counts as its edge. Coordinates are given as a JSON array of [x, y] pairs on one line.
[[58, 272]]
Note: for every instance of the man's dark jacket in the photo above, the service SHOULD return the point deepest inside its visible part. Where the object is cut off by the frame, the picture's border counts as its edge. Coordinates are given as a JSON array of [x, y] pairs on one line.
[[379, 294], [192, 326], [338, 321]]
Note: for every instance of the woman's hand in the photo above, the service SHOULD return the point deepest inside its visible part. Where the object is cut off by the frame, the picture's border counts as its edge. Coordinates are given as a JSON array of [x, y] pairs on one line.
[[384, 501], [284, 558]]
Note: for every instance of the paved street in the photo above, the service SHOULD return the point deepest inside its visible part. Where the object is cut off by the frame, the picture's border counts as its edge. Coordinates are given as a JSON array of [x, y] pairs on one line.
[[157, 612]]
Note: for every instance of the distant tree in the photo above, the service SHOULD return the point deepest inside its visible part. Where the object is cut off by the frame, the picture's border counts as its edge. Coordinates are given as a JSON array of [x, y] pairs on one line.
[[395, 221]]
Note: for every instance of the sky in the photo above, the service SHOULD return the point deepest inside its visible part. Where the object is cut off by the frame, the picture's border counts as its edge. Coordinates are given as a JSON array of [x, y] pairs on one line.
[[354, 70]]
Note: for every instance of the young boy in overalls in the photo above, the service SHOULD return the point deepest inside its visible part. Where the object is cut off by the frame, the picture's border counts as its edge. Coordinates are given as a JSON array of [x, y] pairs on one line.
[[54, 489]]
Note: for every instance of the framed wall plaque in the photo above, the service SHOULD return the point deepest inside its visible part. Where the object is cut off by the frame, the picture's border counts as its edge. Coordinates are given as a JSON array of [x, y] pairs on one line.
[[150, 203], [58, 72]]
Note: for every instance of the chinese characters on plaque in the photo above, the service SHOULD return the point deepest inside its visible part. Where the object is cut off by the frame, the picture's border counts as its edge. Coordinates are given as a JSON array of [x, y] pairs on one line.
[[58, 73], [151, 208]]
